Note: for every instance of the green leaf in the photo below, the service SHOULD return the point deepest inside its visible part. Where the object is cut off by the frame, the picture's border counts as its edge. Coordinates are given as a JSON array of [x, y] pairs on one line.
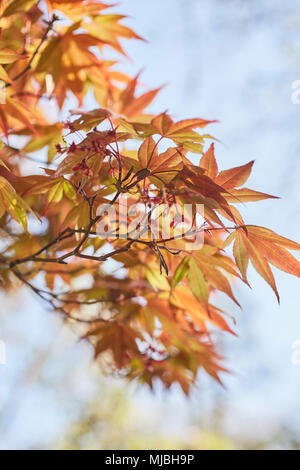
[[198, 283], [180, 272], [12, 203]]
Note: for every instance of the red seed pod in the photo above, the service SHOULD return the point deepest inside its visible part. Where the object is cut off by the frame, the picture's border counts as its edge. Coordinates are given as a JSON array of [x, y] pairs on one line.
[[156, 199], [69, 126], [58, 148], [149, 365], [73, 147], [112, 171], [82, 167], [112, 133], [87, 172]]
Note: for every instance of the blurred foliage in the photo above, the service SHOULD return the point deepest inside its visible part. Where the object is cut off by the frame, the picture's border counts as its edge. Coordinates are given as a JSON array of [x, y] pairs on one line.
[[113, 421]]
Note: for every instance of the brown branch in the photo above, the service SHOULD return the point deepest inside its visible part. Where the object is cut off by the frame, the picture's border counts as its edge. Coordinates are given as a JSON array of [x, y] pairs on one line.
[[68, 232], [43, 39], [40, 292]]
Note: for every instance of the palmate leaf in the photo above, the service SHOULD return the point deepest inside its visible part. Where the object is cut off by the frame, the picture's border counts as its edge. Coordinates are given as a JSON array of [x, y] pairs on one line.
[[67, 58], [131, 106], [262, 246], [183, 299], [49, 136], [180, 132], [198, 284], [89, 120], [147, 152], [181, 271], [1, 162], [75, 9], [193, 352], [165, 126], [18, 6], [246, 195], [200, 183], [167, 163], [55, 188], [8, 56], [109, 30], [161, 167], [214, 276], [241, 255], [4, 78], [117, 338], [15, 115], [231, 179], [209, 163], [12, 203], [234, 177]]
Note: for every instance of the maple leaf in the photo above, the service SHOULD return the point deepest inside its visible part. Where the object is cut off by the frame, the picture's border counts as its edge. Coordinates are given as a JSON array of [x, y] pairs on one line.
[[49, 136], [209, 267], [12, 203], [4, 78], [75, 9], [8, 56], [159, 168], [89, 120], [262, 246], [18, 6], [117, 338], [183, 299], [66, 58], [13, 113], [246, 195], [231, 179], [198, 182], [208, 162], [108, 29], [234, 177], [132, 106], [166, 127], [55, 188]]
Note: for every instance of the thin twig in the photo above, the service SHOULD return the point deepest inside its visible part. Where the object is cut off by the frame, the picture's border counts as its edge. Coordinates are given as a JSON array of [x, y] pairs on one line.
[[43, 39]]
